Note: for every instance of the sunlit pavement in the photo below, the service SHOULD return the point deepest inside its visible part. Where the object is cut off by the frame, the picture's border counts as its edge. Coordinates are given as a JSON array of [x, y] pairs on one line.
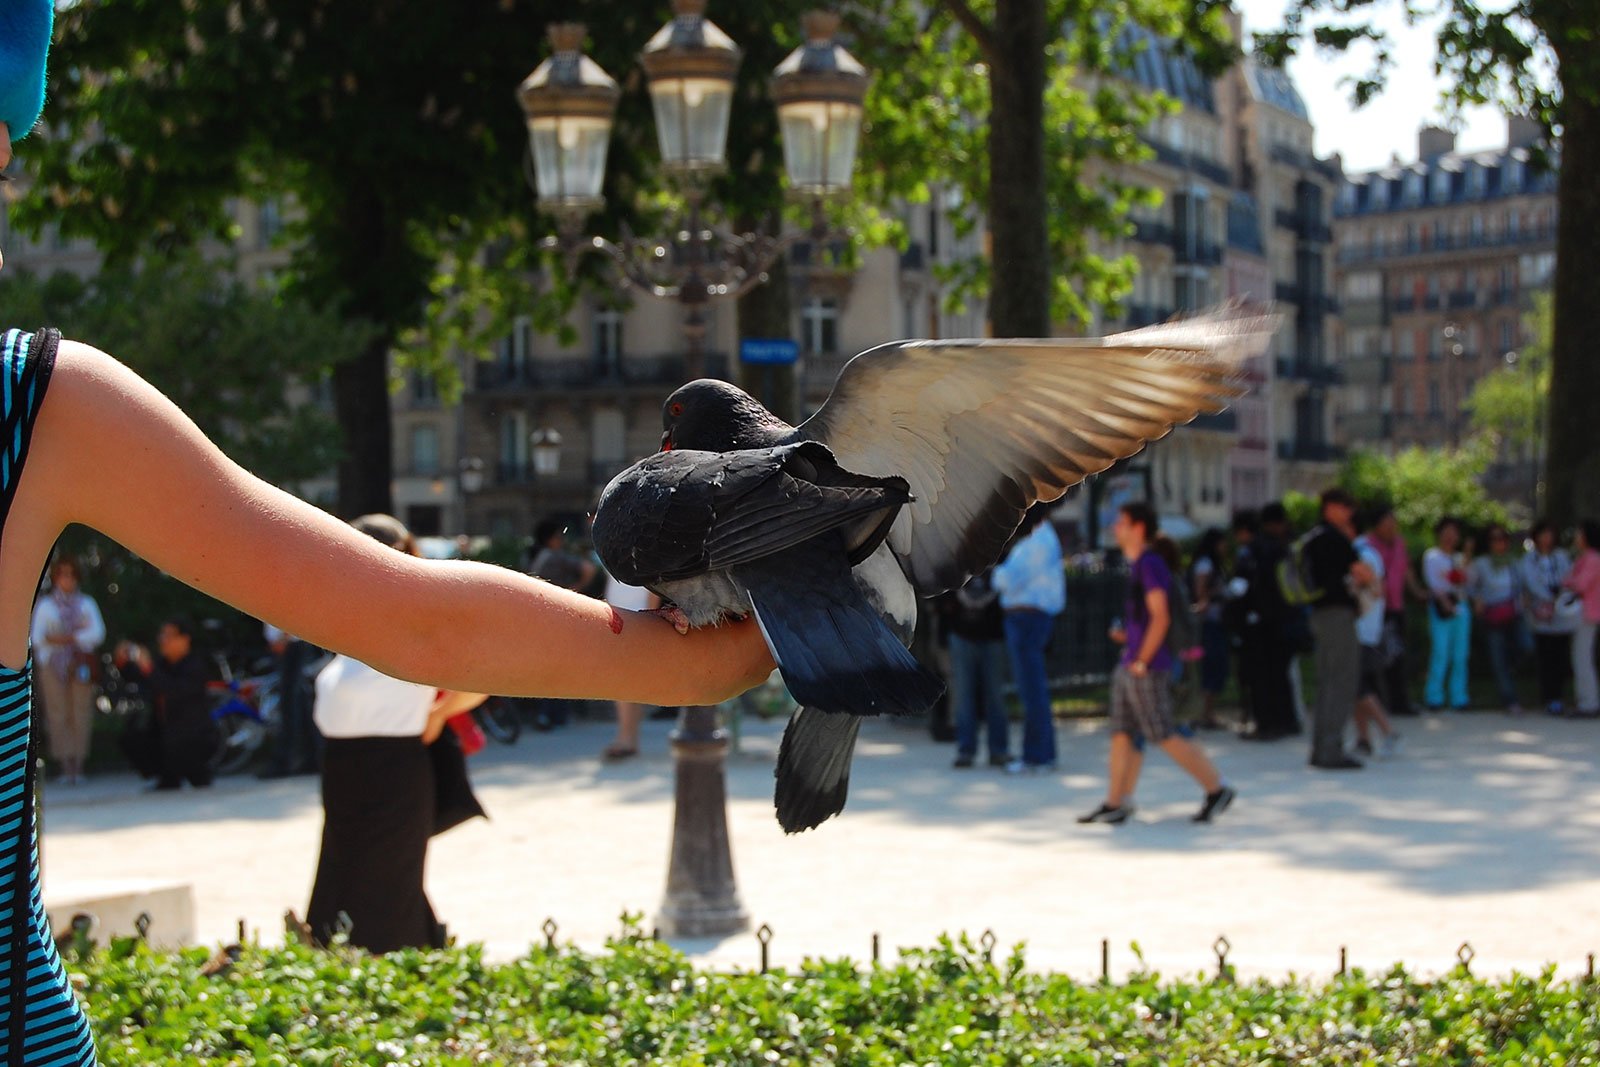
[[1485, 829]]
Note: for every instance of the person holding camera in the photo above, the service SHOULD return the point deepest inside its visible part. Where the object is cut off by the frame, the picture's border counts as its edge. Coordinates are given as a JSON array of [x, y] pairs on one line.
[[67, 629]]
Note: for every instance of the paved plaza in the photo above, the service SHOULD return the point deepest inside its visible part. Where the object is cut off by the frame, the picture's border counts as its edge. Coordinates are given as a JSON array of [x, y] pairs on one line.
[[1484, 829]]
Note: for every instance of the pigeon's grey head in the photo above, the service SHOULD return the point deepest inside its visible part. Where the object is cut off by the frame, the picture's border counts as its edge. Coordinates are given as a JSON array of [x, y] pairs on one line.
[[716, 416]]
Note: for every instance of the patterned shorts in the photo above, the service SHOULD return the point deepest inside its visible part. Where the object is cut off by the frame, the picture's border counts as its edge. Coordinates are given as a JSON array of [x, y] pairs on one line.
[[1142, 707]]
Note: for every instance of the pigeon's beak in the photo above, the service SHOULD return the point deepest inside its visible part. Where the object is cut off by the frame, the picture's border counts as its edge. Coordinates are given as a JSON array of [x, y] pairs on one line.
[[666, 441]]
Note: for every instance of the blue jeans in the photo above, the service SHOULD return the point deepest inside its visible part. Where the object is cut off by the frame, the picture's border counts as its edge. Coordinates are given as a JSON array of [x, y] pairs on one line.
[[1505, 647], [976, 668], [1027, 636], [1447, 659]]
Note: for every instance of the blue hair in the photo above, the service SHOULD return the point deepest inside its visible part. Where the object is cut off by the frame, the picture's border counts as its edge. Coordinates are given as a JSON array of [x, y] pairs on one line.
[[24, 43]]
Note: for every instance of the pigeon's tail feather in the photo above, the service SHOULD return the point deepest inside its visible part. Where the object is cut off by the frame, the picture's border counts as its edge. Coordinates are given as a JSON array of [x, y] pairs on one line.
[[835, 651], [814, 768]]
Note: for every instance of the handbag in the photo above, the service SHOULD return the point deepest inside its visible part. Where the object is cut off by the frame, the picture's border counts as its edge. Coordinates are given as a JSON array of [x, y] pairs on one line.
[[86, 666], [1569, 610], [453, 800], [1502, 614]]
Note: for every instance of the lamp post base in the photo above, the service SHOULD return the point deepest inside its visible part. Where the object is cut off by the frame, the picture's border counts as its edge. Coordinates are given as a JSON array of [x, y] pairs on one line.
[[702, 898]]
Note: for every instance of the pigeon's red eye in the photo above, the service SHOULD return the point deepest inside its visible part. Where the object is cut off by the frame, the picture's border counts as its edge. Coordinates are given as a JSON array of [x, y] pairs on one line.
[[676, 409]]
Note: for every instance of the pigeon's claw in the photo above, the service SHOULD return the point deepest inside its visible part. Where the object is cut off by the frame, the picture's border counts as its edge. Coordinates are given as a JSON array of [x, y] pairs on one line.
[[673, 614]]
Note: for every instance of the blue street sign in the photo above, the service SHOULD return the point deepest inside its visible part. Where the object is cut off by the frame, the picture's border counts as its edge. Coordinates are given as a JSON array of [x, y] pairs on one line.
[[768, 350]]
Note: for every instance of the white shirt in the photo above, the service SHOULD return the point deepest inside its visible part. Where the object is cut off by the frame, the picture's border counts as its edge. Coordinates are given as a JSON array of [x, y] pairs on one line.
[[47, 623], [625, 596], [1436, 568], [1369, 624], [353, 700]]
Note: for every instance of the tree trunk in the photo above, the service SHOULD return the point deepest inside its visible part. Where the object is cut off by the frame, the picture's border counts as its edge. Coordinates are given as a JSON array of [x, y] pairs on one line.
[[361, 404], [764, 312], [1572, 473], [1019, 295]]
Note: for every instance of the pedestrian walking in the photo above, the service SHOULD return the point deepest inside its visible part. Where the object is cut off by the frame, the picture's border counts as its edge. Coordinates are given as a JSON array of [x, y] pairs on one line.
[[1141, 686], [1544, 568], [1495, 587], [1207, 580], [297, 748], [182, 739], [1370, 712], [1444, 572], [1032, 584], [380, 794], [66, 633], [1277, 633]]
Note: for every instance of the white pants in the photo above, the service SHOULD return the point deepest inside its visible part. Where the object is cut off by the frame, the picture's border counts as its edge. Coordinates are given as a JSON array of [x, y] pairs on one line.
[[1583, 674]]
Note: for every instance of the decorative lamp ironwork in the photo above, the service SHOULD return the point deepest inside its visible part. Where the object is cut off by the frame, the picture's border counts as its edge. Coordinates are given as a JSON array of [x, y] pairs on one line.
[[570, 104], [471, 474], [690, 65], [819, 89]]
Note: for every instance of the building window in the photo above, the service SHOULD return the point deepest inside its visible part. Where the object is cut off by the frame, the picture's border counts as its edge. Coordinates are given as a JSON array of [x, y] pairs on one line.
[[819, 325], [1402, 404], [425, 450], [608, 434], [424, 388], [1508, 335], [517, 347], [513, 445], [606, 328], [1435, 407], [269, 221]]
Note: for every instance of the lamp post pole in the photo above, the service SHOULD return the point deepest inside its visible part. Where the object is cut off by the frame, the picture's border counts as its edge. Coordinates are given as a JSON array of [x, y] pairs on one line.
[[690, 66]]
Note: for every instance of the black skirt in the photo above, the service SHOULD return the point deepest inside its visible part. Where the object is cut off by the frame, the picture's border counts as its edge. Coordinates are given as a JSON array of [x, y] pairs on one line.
[[378, 803]]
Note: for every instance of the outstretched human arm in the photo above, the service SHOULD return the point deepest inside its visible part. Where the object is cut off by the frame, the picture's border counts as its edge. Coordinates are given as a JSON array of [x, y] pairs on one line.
[[452, 624]]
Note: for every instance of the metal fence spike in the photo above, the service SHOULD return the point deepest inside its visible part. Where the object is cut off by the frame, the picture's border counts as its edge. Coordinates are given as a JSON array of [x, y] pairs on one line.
[[1465, 954], [1105, 960], [1343, 960], [142, 925], [549, 927], [764, 938], [987, 942], [876, 945], [1221, 947]]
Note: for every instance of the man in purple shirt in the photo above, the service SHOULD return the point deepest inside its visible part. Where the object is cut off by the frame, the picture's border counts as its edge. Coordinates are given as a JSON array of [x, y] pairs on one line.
[[1141, 686]]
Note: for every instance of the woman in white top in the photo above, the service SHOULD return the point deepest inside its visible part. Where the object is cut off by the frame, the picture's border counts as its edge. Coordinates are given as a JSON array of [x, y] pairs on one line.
[[1497, 607], [1370, 693], [379, 797], [67, 629], [1449, 618], [1543, 569]]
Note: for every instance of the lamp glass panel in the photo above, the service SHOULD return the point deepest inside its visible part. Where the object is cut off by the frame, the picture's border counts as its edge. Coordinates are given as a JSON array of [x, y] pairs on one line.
[[692, 119], [569, 155], [820, 139]]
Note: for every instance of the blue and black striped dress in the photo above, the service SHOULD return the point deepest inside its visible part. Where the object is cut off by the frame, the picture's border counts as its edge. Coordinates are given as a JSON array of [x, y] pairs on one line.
[[44, 1026]]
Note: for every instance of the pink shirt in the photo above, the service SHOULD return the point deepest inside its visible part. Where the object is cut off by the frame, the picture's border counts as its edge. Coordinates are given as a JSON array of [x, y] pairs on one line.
[[1585, 581], [1396, 564]]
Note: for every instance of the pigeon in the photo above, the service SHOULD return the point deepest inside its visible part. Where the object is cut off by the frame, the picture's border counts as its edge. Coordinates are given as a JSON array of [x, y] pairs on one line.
[[912, 476]]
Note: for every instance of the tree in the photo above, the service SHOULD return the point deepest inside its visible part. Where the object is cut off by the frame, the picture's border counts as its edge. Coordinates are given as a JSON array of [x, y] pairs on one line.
[[1022, 106], [1425, 484], [1536, 57], [1508, 402]]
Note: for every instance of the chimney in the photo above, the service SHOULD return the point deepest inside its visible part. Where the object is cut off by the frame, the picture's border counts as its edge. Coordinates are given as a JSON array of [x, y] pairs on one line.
[[1433, 142], [1523, 132]]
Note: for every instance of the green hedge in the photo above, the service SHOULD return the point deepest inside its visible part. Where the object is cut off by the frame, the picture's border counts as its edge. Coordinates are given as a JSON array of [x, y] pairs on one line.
[[641, 1003]]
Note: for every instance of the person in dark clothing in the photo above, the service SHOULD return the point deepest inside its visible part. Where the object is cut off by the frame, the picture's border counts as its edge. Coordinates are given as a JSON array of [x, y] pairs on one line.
[[1333, 568], [1236, 612], [974, 625], [184, 738], [1270, 632], [298, 744]]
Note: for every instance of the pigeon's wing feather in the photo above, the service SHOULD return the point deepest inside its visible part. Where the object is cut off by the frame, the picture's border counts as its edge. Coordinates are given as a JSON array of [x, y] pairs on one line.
[[679, 514], [983, 429]]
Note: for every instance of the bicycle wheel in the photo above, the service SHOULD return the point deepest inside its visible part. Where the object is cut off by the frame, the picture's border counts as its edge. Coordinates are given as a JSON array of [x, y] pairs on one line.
[[499, 719], [242, 735]]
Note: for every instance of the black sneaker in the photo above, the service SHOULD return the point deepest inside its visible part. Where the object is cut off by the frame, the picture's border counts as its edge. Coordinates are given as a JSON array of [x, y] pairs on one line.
[[1216, 803], [1364, 748], [962, 762], [1343, 763], [1108, 814], [1001, 760]]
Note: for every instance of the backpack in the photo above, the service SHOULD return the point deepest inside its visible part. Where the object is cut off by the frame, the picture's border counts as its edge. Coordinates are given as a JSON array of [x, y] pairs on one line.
[[1183, 632], [1295, 582]]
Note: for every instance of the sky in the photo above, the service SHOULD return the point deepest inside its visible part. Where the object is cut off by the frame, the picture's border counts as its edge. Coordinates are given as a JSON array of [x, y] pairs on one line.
[[1388, 124]]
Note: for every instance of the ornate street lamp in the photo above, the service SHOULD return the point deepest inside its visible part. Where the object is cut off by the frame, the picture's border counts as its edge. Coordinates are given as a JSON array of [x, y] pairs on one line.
[[691, 66], [470, 474], [570, 104]]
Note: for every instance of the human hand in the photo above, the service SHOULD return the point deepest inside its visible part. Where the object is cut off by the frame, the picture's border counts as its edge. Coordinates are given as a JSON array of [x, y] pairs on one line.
[[1118, 635], [432, 729], [1138, 668]]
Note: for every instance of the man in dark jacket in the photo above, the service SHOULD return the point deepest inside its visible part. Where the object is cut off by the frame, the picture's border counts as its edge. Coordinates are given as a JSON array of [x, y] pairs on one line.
[[1270, 631], [176, 678], [975, 626]]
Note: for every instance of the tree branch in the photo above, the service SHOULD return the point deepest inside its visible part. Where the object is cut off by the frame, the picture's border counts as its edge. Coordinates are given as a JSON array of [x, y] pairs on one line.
[[981, 31]]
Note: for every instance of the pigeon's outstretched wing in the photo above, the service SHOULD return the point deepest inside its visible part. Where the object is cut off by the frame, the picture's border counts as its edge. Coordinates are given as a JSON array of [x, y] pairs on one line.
[[680, 514], [983, 429]]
